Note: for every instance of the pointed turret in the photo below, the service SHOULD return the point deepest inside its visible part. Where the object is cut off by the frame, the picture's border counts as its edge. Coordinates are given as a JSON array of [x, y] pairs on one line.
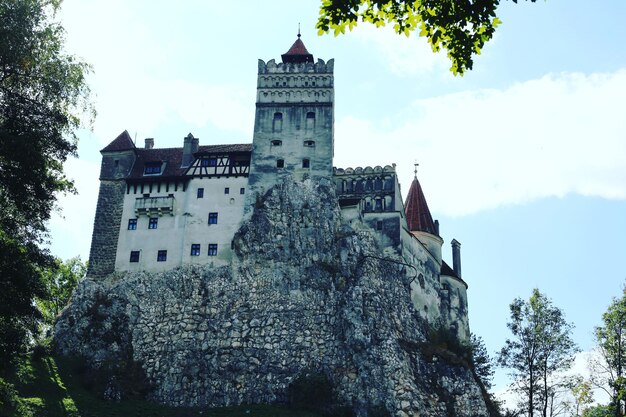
[[297, 54], [420, 221], [417, 213]]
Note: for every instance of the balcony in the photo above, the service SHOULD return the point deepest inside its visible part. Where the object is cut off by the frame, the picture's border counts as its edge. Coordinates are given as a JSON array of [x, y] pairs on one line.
[[154, 206]]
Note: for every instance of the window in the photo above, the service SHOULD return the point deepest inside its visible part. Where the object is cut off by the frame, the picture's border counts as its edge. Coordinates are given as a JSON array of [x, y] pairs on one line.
[[152, 168], [306, 163], [309, 143], [277, 142], [153, 223], [242, 190], [195, 249], [277, 124], [226, 190], [162, 256], [379, 225], [280, 163], [134, 256], [310, 120], [132, 224], [212, 249], [212, 218], [200, 193], [209, 162]]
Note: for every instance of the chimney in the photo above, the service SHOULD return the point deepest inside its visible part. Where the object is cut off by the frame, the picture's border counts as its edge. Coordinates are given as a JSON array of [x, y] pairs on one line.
[[149, 143], [456, 257], [190, 145]]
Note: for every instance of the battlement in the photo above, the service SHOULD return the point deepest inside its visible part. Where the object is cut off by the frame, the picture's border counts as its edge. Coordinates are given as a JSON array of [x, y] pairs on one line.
[[320, 67], [364, 171]]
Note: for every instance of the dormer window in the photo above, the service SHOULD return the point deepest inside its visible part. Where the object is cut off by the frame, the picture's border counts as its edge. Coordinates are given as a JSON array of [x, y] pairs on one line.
[[209, 162], [152, 168]]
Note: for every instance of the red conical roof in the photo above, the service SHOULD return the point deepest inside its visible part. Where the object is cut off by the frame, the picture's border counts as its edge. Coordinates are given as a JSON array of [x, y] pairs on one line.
[[417, 213], [297, 53]]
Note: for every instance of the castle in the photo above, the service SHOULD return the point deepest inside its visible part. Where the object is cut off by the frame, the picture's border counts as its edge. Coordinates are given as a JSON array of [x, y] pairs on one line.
[[159, 209]]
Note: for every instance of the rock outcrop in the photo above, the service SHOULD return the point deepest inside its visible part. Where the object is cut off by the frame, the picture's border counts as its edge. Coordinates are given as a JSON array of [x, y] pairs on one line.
[[306, 292]]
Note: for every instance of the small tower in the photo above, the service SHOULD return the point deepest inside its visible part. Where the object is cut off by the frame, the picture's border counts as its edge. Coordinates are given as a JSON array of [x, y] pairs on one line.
[[117, 160], [420, 222], [293, 126]]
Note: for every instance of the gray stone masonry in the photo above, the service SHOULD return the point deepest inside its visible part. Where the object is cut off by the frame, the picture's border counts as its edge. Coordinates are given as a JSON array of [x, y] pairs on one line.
[[305, 292], [106, 228]]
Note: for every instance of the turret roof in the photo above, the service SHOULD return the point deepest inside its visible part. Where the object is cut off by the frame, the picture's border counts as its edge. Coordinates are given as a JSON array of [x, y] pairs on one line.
[[297, 53], [416, 209], [121, 143]]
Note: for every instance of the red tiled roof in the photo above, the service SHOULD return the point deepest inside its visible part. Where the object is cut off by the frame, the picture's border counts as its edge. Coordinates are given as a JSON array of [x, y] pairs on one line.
[[446, 270], [121, 143], [173, 158], [416, 209], [297, 53]]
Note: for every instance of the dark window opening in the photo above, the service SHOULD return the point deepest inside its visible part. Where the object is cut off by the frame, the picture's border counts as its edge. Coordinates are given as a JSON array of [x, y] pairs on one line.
[[152, 168], [309, 143], [162, 256], [212, 249], [134, 256], [306, 163], [200, 193], [277, 143], [280, 163], [195, 249], [132, 224], [379, 225], [212, 218], [153, 223], [277, 124], [117, 163], [242, 190], [226, 190]]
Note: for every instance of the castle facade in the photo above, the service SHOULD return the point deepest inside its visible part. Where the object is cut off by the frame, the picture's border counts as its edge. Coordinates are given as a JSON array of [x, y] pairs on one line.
[[162, 208]]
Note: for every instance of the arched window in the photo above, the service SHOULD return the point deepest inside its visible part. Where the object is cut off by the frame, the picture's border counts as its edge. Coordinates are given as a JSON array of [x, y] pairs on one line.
[[310, 120], [277, 124]]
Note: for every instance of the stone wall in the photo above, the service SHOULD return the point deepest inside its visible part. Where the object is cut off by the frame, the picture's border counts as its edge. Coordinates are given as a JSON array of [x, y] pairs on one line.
[[306, 292], [106, 228]]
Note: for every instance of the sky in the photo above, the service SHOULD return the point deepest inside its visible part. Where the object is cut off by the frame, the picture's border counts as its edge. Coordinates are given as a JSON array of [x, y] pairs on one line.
[[522, 160]]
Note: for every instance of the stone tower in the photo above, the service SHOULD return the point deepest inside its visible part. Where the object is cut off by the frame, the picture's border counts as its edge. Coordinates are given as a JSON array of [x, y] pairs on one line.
[[118, 159], [293, 126]]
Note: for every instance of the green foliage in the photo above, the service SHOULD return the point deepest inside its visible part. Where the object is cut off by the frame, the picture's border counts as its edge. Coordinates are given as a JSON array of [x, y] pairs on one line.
[[540, 348], [441, 338], [42, 95], [481, 362], [599, 411], [608, 373], [60, 282], [461, 27]]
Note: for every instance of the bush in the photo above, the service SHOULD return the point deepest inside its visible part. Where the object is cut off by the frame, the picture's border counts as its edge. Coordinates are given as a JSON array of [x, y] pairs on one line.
[[42, 349], [8, 397]]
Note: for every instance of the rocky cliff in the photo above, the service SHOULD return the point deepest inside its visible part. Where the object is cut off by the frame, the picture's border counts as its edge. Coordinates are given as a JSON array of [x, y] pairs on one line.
[[306, 293]]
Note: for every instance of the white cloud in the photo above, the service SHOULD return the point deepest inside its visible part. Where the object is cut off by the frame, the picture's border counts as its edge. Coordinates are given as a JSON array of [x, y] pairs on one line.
[[560, 134], [405, 56]]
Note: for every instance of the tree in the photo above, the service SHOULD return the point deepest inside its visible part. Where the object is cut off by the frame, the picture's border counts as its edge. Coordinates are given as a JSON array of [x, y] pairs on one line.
[[60, 281], [461, 27], [583, 395], [483, 365], [43, 94], [608, 370], [540, 348]]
